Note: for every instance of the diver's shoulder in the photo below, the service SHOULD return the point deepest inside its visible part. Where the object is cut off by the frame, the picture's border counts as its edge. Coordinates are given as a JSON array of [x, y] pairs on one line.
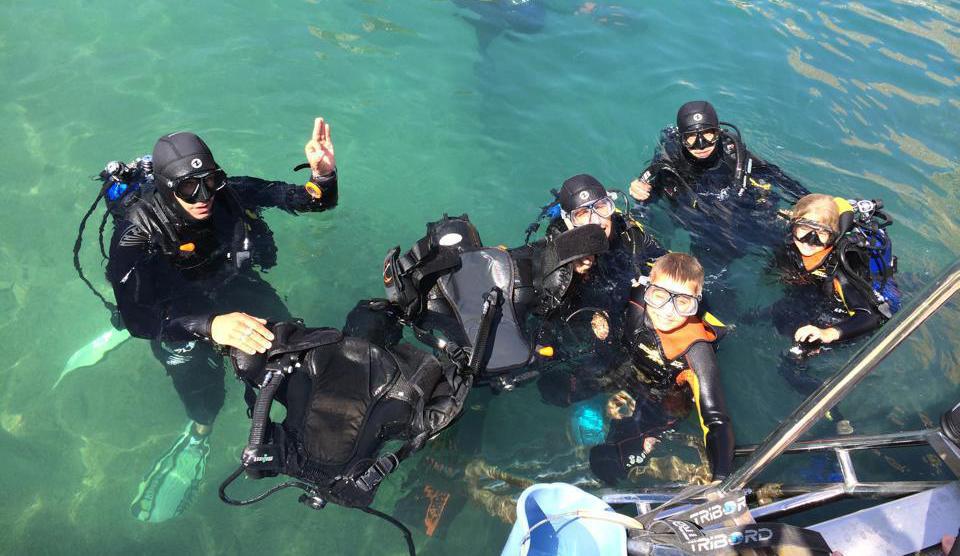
[[131, 232]]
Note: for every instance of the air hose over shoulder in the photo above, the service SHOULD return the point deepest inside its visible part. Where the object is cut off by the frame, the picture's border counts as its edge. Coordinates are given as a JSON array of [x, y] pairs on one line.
[[740, 174]]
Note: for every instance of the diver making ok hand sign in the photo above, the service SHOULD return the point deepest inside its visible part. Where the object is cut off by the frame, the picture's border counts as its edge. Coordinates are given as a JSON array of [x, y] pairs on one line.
[[182, 264]]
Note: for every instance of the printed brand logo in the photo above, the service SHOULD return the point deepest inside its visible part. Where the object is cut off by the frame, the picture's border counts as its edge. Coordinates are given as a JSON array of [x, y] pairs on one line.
[[262, 459], [717, 511], [723, 540], [687, 531], [698, 117], [196, 163], [584, 195]]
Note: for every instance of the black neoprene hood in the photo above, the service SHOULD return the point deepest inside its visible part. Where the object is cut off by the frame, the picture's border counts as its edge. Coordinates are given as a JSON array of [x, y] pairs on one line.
[[696, 115], [180, 154], [580, 190]]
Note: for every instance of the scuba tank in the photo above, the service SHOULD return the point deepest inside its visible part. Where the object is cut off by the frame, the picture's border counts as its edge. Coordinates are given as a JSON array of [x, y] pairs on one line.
[[866, 254], [121, 186]]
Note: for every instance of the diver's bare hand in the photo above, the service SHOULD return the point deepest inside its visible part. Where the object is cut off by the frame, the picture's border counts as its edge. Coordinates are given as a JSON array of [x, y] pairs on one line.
[[811, 333], [583, 265], [640, 189], [649, 443], [618, 402], [319, 149], [240, 330]]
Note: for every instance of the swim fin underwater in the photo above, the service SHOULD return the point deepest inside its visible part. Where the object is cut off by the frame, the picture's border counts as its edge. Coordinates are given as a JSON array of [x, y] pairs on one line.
[[172, 484], [93, 352]]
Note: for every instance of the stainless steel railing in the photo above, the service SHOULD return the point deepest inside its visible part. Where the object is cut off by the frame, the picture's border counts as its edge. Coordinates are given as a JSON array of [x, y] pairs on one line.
[[838, 386]]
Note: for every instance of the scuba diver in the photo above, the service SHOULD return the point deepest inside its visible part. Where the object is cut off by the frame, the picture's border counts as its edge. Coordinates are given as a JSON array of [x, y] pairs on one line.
[[718, 190], [636, 427], [672, 340], [181, 266], [589, 319], [838, 260]]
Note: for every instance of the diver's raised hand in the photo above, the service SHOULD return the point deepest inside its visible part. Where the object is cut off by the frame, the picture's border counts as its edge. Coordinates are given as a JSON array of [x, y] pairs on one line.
[[319, 149], [240, 330], [640, 189], [811, 333]]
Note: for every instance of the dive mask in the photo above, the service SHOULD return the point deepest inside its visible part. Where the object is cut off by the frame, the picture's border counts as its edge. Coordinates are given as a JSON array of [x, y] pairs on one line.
[[603, 208], [200, 187], [813, 233], [701, 139], [684, 304]]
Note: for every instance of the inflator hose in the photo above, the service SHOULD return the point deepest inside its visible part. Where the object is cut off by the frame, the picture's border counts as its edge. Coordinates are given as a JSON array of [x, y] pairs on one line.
[[261, 409], [493, 299]]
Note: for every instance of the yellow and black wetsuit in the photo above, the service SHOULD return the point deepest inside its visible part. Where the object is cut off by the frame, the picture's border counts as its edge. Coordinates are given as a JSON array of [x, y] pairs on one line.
[[687, 356], [847, 294], [836, 285]]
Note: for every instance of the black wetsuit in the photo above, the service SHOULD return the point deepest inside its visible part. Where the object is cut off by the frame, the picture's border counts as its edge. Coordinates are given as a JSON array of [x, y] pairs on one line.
[[687, 355], [171, 277], [825, 295], [604, 289], [724, 218]]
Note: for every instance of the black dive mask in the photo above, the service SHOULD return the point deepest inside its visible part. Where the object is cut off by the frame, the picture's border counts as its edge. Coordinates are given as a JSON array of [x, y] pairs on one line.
[[199, 188], [700, 139], [812, 233]]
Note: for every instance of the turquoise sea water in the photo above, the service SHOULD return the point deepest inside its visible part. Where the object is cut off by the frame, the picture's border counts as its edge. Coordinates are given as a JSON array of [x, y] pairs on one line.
[[435, 107]]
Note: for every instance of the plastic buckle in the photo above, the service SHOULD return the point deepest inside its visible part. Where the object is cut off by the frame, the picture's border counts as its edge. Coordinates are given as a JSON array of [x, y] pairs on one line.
[[376, 473]]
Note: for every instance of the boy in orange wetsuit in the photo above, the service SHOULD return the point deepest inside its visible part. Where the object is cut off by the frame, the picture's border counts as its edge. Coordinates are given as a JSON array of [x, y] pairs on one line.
[[671, 339]]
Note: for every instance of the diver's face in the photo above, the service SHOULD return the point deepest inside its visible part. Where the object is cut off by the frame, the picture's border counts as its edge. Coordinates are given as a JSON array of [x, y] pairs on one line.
[[703, 153], [197, 211], [701, 143], [666, 318], [598, 212], [804, 234], [605, 223], [808, 250]]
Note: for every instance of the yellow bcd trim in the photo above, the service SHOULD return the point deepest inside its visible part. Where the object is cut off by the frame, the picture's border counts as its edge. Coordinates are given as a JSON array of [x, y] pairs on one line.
[[712, 320], [843, 205]]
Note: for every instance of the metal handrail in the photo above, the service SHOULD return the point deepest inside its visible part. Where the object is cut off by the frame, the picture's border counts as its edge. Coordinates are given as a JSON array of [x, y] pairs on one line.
[[839, 385], [890, 440]]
